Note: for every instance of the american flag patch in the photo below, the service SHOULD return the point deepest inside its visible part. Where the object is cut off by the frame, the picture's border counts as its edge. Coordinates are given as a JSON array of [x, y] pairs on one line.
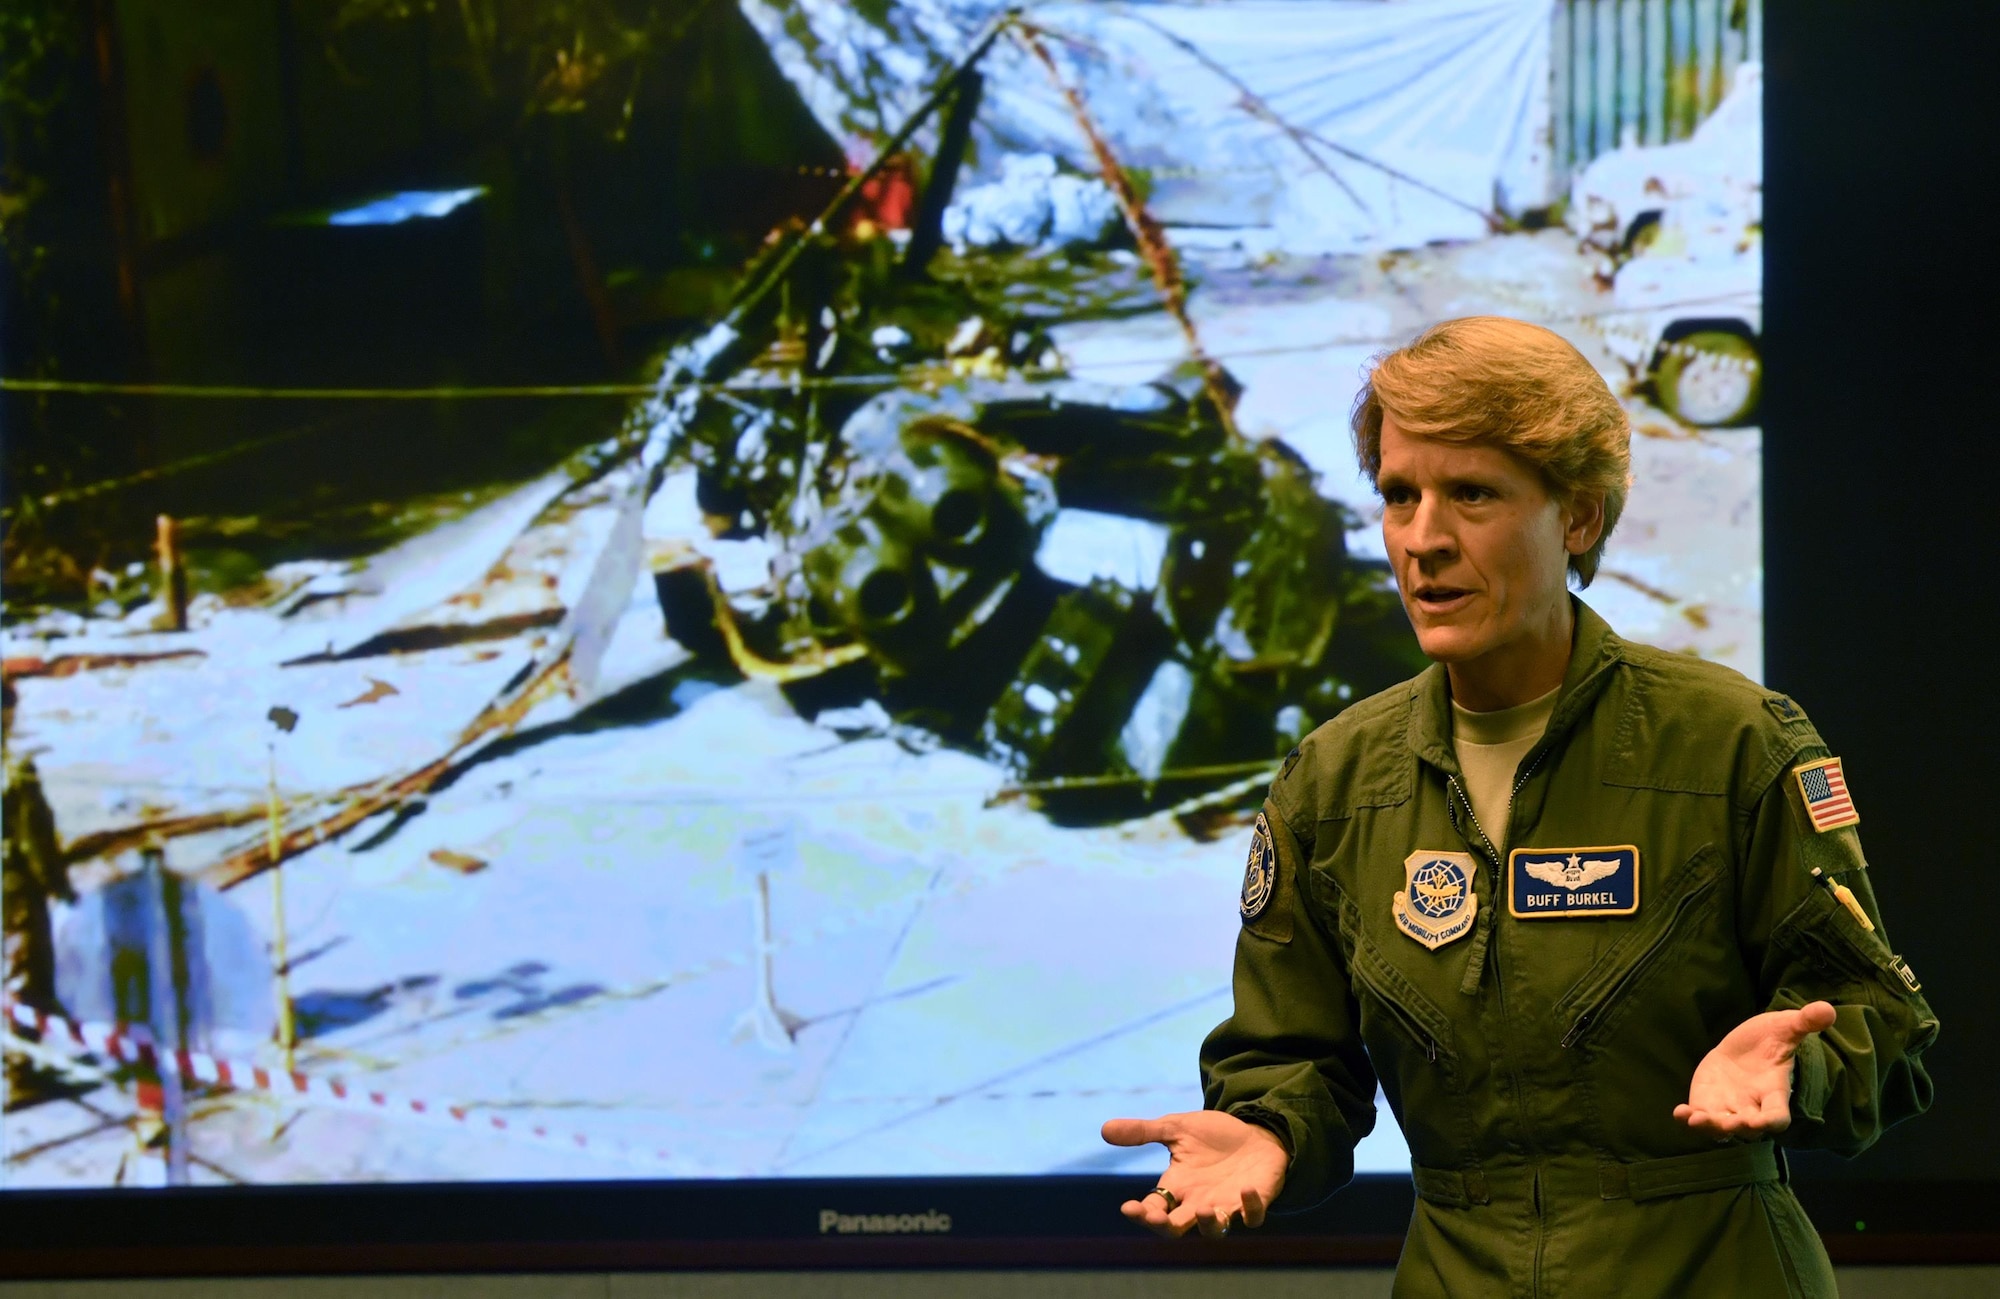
[[1825, 790]]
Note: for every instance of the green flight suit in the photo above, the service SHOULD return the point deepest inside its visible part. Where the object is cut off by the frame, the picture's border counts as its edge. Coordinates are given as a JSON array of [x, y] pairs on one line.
[[1534, 1063]]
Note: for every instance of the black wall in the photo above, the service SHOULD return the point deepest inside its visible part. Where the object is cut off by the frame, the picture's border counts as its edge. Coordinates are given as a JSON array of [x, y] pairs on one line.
[[1882, 277]]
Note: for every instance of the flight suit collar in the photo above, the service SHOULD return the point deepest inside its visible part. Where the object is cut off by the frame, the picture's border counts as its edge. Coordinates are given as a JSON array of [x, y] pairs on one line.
[[1594, 649]]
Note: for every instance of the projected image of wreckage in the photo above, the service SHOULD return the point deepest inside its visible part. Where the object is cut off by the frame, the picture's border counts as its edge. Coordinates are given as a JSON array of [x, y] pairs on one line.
[[1101, 588]]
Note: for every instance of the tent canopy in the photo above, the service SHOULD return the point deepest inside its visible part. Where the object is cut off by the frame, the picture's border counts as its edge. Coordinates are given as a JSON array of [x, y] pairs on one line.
[[1312, 125]]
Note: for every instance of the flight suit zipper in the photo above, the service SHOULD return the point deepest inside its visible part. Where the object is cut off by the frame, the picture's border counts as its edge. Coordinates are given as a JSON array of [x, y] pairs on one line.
[[1425, 1035], [1520, 783], [1588, 1016], [1477, 962], [1541, 1230], [1482, 936]]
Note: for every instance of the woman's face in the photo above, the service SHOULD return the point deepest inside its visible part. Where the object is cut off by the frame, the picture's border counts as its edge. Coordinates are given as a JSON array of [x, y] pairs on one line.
[[1480, 551]]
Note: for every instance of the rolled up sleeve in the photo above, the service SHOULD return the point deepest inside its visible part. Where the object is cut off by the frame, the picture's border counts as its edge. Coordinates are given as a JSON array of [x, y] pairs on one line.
[[1865, 1073]]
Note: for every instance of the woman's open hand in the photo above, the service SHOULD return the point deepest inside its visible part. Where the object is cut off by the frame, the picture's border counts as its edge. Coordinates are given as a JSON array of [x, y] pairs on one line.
[[1220, 1170], [1743, 1088]]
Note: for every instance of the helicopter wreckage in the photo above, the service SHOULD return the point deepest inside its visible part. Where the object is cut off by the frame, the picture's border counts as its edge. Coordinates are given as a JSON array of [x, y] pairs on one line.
[[940, 547], [1100, 588], [1106, 590]]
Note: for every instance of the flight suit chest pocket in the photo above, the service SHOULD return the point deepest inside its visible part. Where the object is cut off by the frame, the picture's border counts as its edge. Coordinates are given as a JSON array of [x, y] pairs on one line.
[[1594, 1004], [1391, 996]]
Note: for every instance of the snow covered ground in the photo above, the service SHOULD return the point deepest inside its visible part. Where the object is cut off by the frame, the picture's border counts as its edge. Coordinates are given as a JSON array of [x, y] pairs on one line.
[[1685, 568], [571, 932]]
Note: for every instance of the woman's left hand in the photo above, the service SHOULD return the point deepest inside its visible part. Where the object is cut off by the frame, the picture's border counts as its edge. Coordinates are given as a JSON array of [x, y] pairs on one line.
[[1743, 1087]]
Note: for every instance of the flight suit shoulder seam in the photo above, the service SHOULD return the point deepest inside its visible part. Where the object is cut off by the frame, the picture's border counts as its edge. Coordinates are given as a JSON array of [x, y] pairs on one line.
[[1371, 711], [1785, 745], [1337, 752], [1290, 823], [1624, 766], [1730, 705]]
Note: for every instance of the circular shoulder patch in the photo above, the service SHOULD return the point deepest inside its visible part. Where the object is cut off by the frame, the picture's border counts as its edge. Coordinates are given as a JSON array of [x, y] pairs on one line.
[[1260, 876]]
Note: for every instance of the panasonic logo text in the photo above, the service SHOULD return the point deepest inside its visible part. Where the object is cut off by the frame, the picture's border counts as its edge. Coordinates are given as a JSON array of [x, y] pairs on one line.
[[882, 1224]]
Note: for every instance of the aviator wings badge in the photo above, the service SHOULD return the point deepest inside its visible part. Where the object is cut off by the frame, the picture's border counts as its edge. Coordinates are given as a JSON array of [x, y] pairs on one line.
[[1551, 883], [1436, 904]]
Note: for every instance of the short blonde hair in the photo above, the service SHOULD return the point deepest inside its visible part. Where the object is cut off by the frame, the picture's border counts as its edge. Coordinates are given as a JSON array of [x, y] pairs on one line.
[[1500, 382]]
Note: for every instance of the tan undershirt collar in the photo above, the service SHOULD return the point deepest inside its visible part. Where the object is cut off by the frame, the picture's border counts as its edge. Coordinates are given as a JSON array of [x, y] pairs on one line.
[[1522, 721], [1490, 747]]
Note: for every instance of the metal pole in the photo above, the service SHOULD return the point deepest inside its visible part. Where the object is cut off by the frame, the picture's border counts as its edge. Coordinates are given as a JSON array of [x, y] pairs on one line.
[[767, 994], [1604, 77], [1582, 49], [1655, 76], [1631, 71], [1146, 232], [164, 958], [764, 274], [927, 232], [1562, 148], [280, 960], [173, 574]]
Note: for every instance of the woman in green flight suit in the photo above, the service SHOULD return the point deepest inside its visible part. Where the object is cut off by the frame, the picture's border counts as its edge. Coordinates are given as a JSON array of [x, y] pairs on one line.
[[1595, 914]]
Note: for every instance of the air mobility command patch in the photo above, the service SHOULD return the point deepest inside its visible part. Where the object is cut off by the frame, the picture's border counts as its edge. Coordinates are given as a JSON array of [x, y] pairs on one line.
[[1437, 903], [1260, 875], [1545, 883], [1824, 789]]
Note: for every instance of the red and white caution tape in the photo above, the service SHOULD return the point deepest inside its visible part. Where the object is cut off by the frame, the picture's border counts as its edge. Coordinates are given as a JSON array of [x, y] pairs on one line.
[[133, 1045]]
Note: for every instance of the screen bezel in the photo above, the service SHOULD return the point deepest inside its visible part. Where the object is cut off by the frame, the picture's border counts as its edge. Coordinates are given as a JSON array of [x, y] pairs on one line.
[[1835, 161], [765, 1225]]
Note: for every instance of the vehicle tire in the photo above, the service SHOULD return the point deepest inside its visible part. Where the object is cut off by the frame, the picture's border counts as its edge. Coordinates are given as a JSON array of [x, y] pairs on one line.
[[1712, 378], [1642, 234]]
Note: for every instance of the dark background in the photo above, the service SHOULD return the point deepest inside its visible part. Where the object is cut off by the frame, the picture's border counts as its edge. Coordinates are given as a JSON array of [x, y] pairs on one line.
[[1880, 569], [1881, 279]]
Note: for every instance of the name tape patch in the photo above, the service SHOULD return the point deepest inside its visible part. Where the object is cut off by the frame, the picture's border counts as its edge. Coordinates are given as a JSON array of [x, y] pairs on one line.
[[1550, 883]]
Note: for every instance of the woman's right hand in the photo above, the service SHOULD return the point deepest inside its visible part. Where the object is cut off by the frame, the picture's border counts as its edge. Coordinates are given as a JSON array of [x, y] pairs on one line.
[[1220, 1169]]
